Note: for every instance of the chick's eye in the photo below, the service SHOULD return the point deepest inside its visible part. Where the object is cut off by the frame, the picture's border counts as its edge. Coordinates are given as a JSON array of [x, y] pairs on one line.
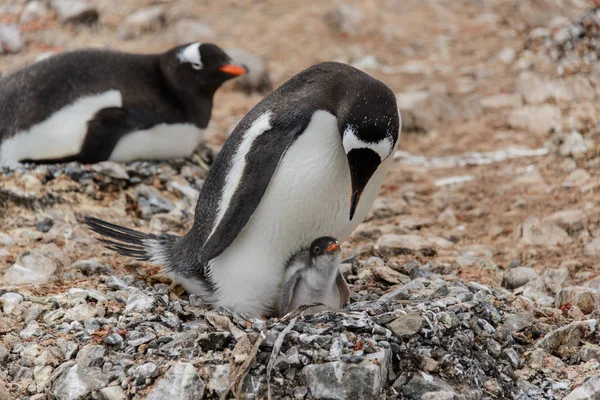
[[317, 250], [196, 66]]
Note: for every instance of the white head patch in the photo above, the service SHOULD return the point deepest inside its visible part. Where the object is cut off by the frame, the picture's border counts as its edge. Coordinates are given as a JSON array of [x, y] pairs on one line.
[[191, 54], [351, 141]]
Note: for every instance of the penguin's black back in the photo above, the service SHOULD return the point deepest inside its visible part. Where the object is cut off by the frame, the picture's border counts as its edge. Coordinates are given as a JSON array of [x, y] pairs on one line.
[[32, 94]]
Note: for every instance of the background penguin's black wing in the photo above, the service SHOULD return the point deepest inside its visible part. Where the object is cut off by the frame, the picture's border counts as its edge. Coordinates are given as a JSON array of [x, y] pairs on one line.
[[262, 160], [108, 126]]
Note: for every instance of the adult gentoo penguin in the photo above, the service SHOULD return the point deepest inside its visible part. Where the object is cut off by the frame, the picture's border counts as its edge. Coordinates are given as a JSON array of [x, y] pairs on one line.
[[313, 276], [95, 105], [305, 162]]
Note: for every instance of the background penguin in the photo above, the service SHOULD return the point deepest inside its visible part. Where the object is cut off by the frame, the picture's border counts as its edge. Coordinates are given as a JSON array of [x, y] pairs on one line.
[[96, 105], [313, 276], [306, 161]]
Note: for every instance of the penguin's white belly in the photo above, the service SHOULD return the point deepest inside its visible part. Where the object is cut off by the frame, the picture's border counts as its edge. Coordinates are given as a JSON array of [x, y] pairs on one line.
[[61, 134], [308, 197], [161, 142]]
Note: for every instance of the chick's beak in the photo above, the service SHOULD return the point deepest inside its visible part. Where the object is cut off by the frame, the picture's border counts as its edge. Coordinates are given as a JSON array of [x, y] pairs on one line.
[[333, 247], [234, 69]]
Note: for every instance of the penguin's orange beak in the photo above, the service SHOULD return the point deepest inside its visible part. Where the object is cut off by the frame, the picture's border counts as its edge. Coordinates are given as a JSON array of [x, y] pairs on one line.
[[333, 247], [234, 69]]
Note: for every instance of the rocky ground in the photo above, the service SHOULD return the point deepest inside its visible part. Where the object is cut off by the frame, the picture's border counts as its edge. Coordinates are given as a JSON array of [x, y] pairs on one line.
[[475, 276]]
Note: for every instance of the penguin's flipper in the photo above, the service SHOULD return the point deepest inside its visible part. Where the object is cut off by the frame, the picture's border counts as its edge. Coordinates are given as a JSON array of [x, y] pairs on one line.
[[287, 294], [107, 127], [343, 288], [261, 162]]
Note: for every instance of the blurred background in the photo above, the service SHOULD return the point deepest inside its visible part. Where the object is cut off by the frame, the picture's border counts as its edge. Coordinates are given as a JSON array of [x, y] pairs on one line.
[[496, 179]]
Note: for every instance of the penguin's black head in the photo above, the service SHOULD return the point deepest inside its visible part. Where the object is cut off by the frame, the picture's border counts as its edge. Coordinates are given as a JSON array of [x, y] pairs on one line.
[[202, 66], [369, 123], [324, 246]]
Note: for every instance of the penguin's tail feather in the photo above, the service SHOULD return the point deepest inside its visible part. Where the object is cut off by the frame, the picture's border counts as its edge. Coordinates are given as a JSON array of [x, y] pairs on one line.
[[128, 242]]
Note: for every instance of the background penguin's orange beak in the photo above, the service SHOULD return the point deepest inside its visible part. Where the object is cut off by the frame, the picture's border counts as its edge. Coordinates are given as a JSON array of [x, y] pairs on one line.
[[234, 69]]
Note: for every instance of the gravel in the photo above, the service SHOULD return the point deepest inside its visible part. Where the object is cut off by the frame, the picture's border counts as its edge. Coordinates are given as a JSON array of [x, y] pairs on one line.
[[445, 338]]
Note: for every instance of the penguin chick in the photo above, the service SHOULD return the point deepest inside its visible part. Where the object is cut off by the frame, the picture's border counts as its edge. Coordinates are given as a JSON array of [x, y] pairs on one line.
[[313, 276]]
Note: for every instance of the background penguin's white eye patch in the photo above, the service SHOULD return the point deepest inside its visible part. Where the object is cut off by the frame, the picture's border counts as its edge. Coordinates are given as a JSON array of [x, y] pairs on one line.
[[191, 54]]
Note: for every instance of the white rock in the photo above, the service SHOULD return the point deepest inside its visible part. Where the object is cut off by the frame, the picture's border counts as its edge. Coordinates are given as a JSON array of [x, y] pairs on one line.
[[573, 144], [534, 89], [11, 40], [75, 11], [590, 389], [81, 312], [537, 233], [497, 101], [415, 67], [570, 220], [573, 88], [258, 78], [366, 62], [111, 169], [188, 30], [35, 268], [34, 11], [577, 178], [184, 188], [593, 247], [537, 90], [180, 382], [112, 393], [594, 283], [392, 244], [139, 302], [340, 380], [519, 276], [29, 330], [6, 239], [9, 301], [346, 19], [539, 33], [447, 218], [587, 299], [507, 55], [411, 99], [77, 382], [142, 21], [219, 378], [555, 278], [537, 119]]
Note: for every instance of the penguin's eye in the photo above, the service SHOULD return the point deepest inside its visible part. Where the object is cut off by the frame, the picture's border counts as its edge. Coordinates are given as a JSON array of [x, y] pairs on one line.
[[317, 250], [196, 66]]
